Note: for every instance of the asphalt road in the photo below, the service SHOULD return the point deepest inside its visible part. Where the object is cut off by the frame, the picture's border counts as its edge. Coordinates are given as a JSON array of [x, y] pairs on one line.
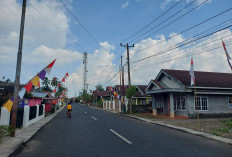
[[96, 133]]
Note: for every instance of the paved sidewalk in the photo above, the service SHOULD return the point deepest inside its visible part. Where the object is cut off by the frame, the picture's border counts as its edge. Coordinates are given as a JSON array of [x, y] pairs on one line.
[[9, 145]]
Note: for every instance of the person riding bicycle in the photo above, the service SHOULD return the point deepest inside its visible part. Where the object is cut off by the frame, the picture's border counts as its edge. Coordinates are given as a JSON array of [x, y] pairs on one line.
[[69, 107]]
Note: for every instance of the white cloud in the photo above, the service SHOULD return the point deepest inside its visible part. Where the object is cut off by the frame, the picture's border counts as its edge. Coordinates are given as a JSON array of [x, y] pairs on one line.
[[44, 54], [38, 29], [125, 5], [213, 60], [97, 64]]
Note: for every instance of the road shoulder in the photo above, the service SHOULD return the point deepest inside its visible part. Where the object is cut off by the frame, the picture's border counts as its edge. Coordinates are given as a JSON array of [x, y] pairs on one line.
[[9, 145]]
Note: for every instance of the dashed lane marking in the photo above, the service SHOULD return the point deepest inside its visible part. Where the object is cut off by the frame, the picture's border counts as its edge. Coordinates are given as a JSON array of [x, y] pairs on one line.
[[120, 136]]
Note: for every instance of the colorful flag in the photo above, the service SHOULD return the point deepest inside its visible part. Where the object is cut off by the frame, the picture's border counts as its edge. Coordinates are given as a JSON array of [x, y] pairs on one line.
[[49, 67], [42, 74], [58, 85], [191, 72], [63, 79], [39, 84], [28, 87], [54, 90], [35, 81], [22, 92], [8, 105], [227, 54], [67, 75]]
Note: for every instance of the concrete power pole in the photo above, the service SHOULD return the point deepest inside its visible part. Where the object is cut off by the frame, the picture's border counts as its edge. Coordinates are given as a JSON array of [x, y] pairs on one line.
[[18, 70], [85, 73], [128, 64], [128, 61]]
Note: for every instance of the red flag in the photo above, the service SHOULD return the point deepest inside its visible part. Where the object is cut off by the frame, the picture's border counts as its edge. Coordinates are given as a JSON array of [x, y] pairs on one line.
[[227, 54], [67, 74], [63, 79], [28, 87], [49, 67], [39, 84], [51, 64], [54, 90], [191, 72], [59, 85]]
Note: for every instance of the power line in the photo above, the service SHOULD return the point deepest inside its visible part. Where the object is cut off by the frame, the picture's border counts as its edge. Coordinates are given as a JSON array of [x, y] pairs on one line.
[[174, 47], [175, 55], [205, 31], [152, 21], [70, 12], [169, 19]]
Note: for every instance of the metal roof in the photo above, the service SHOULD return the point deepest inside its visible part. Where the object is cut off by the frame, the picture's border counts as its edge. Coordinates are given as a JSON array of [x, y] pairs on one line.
[[39, 95]]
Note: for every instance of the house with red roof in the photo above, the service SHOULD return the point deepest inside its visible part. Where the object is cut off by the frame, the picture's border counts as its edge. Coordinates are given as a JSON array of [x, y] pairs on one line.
[[172, 94]]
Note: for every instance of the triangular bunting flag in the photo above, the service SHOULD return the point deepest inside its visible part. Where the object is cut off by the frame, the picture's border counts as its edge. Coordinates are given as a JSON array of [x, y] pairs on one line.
[[28, 87], [35, 81], [22, 92], [49, 67], [63, 79], [8, 105], [42, 74]]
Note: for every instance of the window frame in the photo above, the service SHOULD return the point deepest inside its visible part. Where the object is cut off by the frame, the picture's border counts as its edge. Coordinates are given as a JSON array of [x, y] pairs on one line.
[[178, 102], [200, 96], [229, 102]]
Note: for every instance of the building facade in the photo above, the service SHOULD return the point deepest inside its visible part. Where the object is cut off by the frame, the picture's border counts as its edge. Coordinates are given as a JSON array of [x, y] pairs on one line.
[[172, 94]]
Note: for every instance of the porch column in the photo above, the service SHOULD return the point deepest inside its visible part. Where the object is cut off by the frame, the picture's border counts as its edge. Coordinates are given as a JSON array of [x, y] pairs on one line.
[[136, 101], [172, 113], [154, 113]]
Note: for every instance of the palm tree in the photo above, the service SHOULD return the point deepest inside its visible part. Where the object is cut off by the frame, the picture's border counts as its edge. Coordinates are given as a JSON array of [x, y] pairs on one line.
[[54, 82], [46, 84]]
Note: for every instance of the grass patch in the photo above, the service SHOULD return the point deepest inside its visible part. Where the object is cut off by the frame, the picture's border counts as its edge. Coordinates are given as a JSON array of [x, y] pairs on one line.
[[226, 127], [4, 130]]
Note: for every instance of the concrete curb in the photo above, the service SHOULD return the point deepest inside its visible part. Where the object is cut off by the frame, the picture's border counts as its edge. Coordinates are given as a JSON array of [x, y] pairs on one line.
[[202, 134], [10, 145]]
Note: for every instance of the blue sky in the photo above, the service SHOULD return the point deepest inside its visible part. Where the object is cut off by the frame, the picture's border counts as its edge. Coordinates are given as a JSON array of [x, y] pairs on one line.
[[51, 32]]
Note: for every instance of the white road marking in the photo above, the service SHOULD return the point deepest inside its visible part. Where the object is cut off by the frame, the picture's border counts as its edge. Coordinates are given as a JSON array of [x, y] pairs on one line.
[[85, 112], [94, 118], [123, 138]]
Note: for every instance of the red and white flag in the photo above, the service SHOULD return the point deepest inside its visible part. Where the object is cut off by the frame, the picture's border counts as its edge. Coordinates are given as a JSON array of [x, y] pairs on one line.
[[49, 67], [191, 72], [227, 54]]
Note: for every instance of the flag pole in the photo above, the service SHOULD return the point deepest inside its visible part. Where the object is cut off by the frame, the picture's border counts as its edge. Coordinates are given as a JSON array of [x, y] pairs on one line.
[[196, 108]]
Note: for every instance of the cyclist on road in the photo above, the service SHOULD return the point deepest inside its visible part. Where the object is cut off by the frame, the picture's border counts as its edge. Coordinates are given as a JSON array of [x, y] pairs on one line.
[[69, 107]]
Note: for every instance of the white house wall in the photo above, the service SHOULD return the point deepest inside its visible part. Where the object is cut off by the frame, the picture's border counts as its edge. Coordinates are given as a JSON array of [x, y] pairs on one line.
[[217, 104], [170, 83]]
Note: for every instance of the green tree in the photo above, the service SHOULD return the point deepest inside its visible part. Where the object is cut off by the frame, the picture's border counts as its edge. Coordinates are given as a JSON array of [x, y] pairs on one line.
[[129, 94], [46, 85], [54, 82], [8, 81], [99, 87]]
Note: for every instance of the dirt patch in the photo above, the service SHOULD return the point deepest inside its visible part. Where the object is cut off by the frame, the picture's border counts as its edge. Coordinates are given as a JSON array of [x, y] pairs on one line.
[[216, 126]]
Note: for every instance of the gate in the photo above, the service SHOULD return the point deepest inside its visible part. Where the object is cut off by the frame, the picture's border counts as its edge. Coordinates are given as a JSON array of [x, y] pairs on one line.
[[40, 110], [19, 118], [32, 113]]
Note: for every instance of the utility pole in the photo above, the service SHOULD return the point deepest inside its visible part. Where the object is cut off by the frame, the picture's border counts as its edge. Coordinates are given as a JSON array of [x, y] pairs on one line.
[[18, 70], [128, 61], [128, 64], [85, 73]]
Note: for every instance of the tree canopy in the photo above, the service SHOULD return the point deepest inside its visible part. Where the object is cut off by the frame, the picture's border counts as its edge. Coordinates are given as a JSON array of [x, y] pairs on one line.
[[131, 92], [99, 87]]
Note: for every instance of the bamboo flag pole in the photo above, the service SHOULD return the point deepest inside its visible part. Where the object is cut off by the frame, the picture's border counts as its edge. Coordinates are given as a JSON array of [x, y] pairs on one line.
[[196, 107]]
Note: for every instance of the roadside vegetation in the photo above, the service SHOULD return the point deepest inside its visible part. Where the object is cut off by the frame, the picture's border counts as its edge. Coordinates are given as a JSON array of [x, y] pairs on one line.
[[4, 130]]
